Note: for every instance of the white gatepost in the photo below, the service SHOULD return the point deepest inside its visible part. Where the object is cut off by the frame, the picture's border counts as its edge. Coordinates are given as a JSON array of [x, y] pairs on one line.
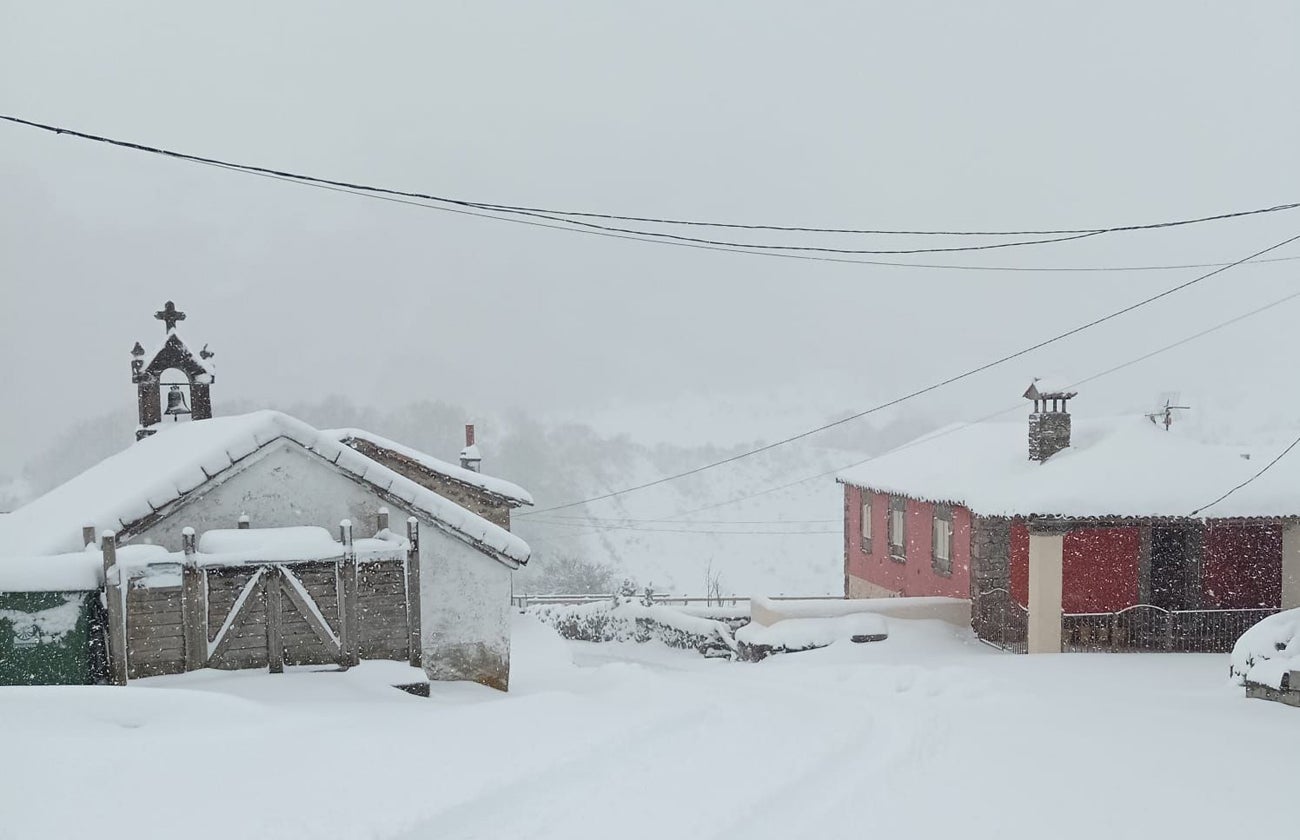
[[1046, 553], [1291, 566]]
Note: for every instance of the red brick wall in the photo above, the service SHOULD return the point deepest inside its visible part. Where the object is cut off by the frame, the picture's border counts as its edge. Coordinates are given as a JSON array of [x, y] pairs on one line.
[[1242, 567]]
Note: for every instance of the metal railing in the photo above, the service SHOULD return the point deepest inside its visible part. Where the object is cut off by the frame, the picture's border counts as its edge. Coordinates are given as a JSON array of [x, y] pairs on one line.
[[1146, 627], [659, 598], [1000, 621]]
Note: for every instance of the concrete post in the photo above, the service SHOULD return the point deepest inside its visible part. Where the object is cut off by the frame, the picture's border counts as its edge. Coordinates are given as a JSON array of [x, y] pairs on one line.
[[1046, 553], [1291, 566]]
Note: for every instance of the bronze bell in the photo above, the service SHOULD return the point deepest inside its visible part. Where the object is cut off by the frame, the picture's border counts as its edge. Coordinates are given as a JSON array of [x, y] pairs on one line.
[[176, 402]]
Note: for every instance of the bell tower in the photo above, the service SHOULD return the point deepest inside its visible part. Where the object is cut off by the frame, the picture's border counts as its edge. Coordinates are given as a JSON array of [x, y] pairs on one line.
[[147, 374]]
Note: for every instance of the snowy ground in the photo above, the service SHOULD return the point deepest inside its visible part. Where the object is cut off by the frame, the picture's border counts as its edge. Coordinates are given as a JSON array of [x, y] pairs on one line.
[[928, 734]]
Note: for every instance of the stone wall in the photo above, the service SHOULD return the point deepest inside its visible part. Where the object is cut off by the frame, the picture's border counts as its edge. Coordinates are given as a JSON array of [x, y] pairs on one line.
[[491, 508], [1049, 433], [993, 616]]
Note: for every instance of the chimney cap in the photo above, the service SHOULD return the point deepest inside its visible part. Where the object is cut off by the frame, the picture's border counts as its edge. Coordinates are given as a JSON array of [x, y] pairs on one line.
[[1048, 388], [469, 456]]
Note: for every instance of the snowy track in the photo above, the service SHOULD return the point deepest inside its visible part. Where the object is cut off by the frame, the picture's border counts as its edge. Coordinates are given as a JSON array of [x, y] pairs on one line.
[[925, 735]]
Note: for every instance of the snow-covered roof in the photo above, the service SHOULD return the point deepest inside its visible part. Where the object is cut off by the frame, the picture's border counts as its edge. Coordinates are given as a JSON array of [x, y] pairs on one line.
[[1114, 467], [77, 571], [496, 486], [161, 469]]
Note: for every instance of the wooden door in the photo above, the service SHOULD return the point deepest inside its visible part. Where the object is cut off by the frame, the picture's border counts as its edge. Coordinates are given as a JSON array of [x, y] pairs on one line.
[[272, 615]]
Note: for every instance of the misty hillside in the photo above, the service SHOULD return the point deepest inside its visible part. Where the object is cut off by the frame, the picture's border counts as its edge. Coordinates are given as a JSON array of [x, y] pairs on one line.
[[683, 536]]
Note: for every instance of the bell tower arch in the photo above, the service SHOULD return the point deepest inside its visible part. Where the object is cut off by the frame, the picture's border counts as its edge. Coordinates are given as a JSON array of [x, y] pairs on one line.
[[147, 375]]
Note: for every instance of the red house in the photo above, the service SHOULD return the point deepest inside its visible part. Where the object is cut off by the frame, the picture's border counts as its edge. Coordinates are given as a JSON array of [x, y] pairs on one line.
[[1099, 535]]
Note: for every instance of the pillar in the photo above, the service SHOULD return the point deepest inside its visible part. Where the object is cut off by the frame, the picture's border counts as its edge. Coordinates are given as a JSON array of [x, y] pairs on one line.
[[1046, 553], [1291, 566]]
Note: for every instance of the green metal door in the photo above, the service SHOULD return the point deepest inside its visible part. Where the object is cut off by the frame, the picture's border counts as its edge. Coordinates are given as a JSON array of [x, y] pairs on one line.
[[47, 638]]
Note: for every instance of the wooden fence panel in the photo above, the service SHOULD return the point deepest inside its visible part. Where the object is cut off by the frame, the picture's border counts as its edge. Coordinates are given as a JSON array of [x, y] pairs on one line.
[[382, 631], [155, 632]]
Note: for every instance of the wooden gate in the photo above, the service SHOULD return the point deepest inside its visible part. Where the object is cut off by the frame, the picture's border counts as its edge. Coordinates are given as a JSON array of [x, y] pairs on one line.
[[274, 615], [268, 615]]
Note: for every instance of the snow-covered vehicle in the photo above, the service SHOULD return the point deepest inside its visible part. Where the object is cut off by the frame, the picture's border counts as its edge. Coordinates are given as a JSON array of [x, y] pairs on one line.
[[1266, 659]]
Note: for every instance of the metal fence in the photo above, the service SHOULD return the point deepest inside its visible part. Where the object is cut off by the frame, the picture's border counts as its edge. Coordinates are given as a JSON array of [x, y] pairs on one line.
[[659, 598], [1146, 627], [1001, 622]]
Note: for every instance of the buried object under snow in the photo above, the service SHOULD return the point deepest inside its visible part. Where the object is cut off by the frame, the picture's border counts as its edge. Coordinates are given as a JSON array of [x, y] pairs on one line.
[[793, 635]]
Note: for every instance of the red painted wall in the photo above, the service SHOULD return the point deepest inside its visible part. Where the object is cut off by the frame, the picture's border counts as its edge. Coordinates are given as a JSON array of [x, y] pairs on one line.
[[917, 575], [1099, 568], [1242, 567]]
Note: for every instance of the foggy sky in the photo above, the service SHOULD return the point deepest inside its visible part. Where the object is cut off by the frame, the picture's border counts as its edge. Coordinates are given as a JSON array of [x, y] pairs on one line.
[[830, 114]]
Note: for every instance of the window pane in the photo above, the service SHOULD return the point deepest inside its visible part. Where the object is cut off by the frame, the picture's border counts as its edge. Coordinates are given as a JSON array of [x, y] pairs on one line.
[[898, 525]]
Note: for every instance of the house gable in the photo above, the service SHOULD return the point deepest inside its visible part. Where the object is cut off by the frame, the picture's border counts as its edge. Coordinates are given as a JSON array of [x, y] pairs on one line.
[[282, 484], [147, 483]]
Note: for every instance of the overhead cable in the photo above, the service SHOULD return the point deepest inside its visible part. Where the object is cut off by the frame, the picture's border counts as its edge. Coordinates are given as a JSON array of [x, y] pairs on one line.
[[920, 391], [571, 217]]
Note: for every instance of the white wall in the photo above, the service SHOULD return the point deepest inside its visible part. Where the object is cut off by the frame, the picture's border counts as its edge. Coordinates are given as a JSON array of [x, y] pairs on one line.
[[286, 485], [464, 612]]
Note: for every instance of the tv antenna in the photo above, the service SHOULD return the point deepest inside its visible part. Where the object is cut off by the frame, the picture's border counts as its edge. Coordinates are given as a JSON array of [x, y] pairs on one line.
[[1164, 416]]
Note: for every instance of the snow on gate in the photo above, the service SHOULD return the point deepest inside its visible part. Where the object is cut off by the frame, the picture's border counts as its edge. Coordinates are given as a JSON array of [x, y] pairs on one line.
[[173, 613]]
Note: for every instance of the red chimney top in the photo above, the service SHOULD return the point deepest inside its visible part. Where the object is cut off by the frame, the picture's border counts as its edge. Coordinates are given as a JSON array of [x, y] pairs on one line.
[[469, 434]]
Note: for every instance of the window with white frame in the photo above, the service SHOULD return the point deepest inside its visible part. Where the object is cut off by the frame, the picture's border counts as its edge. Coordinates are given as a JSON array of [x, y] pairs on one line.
[[866, 522], [898, 529], [942, 553]]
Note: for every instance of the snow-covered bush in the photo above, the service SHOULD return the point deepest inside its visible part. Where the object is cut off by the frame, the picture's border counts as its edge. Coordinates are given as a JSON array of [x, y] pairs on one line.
[[1268, 651], [625, 619]]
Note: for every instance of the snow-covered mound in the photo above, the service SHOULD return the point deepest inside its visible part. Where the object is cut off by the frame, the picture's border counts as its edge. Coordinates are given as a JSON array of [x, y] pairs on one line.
[[1269, 650], [807, 633]]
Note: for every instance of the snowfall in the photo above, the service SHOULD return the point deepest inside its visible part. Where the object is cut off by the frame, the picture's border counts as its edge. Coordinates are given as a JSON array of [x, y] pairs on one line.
[[926, 734]]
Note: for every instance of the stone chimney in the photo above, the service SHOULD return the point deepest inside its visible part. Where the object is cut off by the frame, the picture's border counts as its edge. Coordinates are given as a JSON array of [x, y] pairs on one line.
[[470, 458], [1049, 425]]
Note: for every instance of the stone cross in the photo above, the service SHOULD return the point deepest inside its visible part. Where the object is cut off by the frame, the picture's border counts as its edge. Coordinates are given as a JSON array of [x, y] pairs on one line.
[[169, 315]]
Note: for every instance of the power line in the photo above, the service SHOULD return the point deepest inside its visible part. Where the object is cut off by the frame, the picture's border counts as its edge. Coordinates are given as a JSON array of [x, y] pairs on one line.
[[798, 229], [596, 528], [919, 392], [1250, 480], [582, 520], [747, 532], [808, 257], [570, 217], [1166, 348], [361, 193]]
